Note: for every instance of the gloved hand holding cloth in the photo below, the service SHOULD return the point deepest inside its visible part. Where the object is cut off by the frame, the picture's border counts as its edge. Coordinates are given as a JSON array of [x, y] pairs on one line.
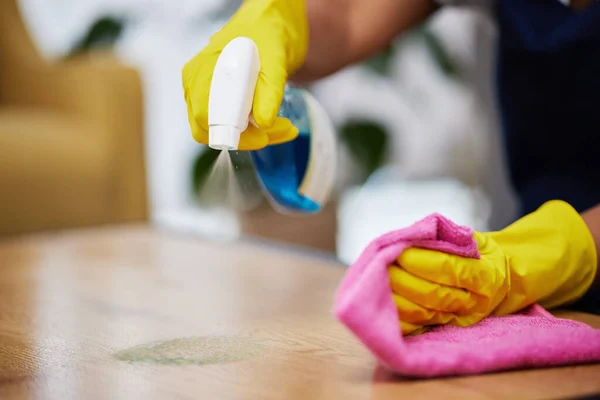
[[437, 299], [547, 257]]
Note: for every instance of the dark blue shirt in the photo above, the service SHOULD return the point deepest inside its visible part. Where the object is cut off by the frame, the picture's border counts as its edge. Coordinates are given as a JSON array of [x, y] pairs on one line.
[[548, 84]]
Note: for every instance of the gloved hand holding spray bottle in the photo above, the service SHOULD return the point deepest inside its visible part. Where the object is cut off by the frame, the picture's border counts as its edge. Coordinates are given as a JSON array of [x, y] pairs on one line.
[[250, 106]]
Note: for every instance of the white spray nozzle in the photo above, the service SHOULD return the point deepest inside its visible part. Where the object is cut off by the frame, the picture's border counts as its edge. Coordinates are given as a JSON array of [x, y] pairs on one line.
[[224, 137], [231, 93]]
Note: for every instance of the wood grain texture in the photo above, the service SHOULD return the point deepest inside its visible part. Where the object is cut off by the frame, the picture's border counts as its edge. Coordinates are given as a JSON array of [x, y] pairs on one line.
[[131, 313]]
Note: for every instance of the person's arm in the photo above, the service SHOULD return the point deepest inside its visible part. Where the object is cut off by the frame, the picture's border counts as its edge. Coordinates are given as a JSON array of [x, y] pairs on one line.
[[592, 219], [343, 32]]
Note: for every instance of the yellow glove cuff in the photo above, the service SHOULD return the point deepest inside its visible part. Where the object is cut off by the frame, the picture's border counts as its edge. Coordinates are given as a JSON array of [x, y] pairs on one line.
[[552, 257]]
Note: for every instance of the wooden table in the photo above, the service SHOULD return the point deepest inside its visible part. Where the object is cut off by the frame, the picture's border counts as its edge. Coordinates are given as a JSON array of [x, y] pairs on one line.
[[131, 313]]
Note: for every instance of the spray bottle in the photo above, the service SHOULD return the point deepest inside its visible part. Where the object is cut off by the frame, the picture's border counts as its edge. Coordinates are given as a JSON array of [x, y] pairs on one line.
[[297, 177]]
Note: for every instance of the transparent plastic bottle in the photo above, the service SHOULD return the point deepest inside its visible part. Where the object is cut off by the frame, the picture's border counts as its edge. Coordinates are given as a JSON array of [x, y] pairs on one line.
[[297, 176]]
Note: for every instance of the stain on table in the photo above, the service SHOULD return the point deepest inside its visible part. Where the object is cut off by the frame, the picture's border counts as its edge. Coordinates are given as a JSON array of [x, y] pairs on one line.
[[193, 350]]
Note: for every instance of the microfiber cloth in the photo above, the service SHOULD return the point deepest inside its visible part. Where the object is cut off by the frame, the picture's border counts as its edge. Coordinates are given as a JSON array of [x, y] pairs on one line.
[[529, 339]]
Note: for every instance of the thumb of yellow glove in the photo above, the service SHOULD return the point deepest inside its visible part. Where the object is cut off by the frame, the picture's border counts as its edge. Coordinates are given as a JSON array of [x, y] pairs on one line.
[[280, 30], [547, 257]]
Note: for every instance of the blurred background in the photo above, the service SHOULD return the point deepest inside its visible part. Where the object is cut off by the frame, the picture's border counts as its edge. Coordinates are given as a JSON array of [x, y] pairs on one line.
[[94, 131]]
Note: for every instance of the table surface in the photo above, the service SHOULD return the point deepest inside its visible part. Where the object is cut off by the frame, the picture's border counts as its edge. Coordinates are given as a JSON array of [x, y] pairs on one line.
[[135, 313]]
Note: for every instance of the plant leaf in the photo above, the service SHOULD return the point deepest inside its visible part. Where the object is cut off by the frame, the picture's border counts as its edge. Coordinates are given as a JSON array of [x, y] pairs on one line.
[[103, 33], [367, 142], [381, 62], [442, 58]]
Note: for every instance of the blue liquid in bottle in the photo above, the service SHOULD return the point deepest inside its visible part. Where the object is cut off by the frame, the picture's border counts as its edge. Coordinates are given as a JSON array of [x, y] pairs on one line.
[[281, 167]]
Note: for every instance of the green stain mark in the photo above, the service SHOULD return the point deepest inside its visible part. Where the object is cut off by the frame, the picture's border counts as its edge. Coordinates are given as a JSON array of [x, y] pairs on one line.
[[193, 351]]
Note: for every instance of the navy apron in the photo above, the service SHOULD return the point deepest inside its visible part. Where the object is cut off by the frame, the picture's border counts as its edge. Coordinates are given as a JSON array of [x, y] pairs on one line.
[[548, 85]]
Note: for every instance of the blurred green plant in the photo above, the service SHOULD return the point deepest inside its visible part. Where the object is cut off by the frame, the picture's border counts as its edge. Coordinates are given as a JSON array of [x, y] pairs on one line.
[[103, 33], [381, 63], [366, 141], [447, 64], [201, 167]]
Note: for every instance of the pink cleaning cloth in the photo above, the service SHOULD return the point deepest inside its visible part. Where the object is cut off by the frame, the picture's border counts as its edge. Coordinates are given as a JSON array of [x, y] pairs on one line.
[[532, 338]]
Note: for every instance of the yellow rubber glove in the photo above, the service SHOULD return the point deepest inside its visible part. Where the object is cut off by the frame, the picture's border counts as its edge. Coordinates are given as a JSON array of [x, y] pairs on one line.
[[547, 257], [280, 30]]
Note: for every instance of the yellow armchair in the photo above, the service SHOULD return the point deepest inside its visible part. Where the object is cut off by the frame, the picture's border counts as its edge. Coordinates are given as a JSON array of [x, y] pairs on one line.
[[71, 137]]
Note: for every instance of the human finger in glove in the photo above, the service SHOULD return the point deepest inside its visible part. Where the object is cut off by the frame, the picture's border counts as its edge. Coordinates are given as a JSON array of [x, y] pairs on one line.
[[547, 257]]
